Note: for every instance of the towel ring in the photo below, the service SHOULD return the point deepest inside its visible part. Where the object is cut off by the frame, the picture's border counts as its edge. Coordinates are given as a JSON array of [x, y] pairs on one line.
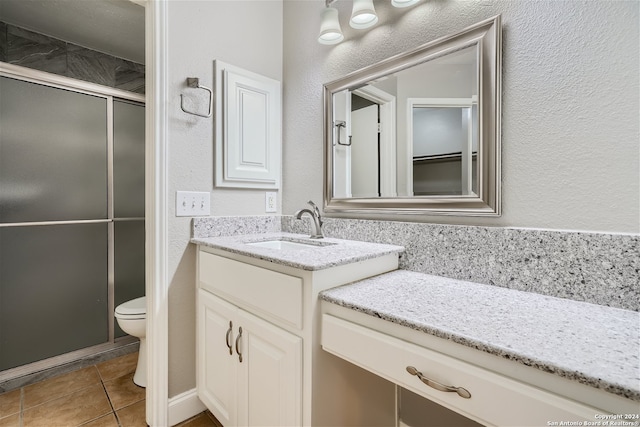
[[194, 82]]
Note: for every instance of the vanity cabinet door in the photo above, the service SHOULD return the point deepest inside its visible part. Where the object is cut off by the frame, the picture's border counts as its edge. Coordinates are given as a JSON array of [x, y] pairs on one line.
[[270, 374], [217, 364], [249, 370]]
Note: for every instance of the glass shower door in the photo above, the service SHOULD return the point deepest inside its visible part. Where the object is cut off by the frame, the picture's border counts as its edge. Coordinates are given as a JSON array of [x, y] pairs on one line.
[[53, 221], [128, 202], [53, 291]]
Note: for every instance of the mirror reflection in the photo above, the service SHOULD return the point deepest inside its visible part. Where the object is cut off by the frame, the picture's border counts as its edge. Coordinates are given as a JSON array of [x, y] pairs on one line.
[[410, 133]]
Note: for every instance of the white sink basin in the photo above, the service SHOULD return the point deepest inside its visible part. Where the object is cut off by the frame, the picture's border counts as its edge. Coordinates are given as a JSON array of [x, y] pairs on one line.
[[285, 244]]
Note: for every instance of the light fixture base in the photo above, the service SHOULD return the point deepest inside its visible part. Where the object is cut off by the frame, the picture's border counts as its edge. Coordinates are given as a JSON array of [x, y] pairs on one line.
[[403, 3]]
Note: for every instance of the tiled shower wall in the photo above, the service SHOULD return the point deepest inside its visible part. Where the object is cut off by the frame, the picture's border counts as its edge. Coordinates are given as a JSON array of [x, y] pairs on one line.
[[32, 50], [598, 268]]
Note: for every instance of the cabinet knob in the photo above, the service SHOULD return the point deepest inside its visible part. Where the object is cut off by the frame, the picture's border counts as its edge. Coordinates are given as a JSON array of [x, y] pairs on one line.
[[462, 392]]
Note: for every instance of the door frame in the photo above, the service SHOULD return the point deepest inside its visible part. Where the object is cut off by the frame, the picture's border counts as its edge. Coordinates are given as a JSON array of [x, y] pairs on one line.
[[388, 166], [109, 94], [157, 211], [467, 148]]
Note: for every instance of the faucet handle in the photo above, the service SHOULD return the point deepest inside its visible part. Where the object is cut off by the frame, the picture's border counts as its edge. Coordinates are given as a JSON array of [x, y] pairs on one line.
[[315, 208], [316, 211]]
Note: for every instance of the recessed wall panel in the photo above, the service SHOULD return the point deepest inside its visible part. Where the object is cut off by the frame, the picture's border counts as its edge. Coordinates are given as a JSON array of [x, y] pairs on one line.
[[253, 129]]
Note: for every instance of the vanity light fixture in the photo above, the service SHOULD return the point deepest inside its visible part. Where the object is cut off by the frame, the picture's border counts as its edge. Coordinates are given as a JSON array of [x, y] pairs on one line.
[[330, 31], [363, 14]]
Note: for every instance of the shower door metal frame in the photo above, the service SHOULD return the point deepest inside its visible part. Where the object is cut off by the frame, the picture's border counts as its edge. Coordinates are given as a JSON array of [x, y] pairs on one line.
[[109, 94]]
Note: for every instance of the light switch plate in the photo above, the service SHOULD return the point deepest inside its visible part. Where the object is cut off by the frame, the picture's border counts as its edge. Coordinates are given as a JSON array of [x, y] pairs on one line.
[[271, 201], [193, 203]]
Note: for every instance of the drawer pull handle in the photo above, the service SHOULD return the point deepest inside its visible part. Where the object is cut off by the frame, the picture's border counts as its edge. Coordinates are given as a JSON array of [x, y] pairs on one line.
[[462, 392], [227, 341], [238, 344]]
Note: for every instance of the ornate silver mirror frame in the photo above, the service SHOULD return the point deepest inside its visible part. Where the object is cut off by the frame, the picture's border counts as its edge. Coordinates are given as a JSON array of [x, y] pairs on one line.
[[485, 200]]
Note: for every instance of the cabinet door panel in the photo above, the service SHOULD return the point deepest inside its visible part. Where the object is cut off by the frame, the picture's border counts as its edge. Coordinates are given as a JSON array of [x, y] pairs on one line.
[[248, 128], [216, 377], [270, 375]]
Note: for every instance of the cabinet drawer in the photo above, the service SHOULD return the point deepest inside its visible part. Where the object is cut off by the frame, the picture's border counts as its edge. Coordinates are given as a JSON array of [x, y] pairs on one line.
[[266, 292], [495, 399]]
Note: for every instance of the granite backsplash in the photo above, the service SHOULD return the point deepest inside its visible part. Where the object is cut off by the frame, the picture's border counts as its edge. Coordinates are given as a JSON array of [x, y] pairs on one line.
[[598, 268]]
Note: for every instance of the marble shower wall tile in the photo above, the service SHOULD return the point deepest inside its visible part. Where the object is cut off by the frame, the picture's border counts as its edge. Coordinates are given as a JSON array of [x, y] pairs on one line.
[[3, 42], [598, 268], [129, 76], [32, 50], [91, 66]]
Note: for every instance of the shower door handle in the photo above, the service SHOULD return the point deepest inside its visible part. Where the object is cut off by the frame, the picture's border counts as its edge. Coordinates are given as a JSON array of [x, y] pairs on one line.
[[227, 338]]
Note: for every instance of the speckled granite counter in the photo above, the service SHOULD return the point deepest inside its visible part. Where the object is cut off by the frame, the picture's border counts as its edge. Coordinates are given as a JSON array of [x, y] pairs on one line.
[[321, 254], [591, 344]]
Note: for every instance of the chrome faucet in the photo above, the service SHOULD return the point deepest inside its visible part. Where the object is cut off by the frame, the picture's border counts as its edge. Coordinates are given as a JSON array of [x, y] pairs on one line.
[[315, 216]]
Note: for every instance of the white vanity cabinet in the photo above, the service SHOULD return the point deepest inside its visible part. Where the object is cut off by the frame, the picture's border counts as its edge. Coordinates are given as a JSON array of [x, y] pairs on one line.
[[484, 396], [259, 360], [427, 334]]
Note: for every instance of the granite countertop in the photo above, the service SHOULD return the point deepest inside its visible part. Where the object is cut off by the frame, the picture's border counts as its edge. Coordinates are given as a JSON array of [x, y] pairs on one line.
[[321, 254], [588, 343]]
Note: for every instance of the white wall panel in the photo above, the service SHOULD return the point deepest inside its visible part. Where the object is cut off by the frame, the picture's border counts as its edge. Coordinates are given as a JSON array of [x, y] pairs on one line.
[[247, 34]]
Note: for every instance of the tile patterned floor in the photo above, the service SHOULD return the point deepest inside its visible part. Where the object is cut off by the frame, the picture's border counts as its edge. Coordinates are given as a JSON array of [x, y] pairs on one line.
[[103, 395]]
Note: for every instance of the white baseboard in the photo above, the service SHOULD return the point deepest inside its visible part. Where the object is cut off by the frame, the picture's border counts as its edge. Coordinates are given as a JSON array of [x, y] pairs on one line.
[[184, 406]]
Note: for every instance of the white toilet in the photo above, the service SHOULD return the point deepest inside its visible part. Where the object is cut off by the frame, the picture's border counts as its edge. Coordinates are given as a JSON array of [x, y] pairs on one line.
[[132, 318]]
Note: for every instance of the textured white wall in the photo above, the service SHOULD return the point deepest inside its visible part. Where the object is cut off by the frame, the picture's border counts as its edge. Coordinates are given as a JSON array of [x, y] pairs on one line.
[[570, 102], [247, 34]]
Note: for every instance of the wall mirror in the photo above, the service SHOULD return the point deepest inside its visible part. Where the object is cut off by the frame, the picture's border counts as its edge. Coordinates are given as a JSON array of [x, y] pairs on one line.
[[418, 133]]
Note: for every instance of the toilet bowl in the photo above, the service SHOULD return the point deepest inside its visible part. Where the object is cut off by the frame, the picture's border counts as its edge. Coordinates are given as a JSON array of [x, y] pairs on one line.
[[132, 318]]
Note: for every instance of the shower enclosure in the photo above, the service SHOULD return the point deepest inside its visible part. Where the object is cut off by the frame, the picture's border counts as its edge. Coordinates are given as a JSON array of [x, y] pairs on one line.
[[71, 216]]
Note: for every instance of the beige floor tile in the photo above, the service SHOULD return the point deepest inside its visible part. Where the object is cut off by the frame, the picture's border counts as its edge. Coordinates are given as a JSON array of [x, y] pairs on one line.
[[124, 392], [9, 403], [10, 421], [59, 386], [133, 415], [71, 410], [115, 368], [201, 420], [106, 421]]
